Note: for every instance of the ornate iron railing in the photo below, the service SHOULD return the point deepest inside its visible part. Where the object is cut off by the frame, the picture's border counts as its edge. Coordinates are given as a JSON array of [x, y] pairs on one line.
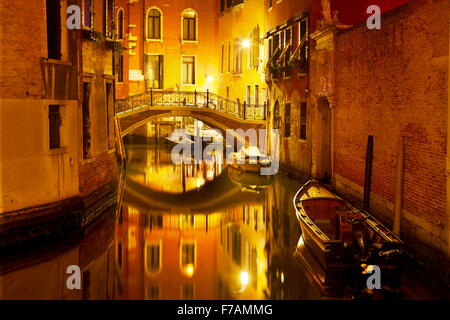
[[192, 99]]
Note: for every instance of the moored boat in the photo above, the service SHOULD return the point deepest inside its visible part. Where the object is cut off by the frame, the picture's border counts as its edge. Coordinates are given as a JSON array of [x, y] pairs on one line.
[[338, 233], [249, 159]]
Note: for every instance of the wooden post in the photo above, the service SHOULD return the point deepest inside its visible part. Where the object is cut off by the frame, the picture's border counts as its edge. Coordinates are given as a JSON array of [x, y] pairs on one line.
[[195, 97], [245, 110], [398, 202], [368, 173], [207, 98]]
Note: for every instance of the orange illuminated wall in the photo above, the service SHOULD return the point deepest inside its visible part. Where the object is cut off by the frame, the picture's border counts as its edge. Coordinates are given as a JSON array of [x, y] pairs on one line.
[[171, 46]]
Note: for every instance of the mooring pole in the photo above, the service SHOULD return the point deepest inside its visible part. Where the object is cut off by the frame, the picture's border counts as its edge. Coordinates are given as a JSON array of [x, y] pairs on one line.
[[398, 202], [368, 173]]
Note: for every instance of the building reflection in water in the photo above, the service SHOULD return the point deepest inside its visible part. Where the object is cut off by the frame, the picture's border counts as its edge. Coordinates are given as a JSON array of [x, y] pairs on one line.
[[230, 237], [238, 247]]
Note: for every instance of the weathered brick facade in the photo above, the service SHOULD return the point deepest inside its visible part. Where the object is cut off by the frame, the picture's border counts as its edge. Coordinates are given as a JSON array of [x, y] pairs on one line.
[[392, 83]]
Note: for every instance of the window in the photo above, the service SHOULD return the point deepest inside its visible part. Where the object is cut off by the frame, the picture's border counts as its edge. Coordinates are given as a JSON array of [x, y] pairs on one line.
[[303, 123], [54, 118], [86, 120], [87, 13], [154, 71], [250, 52], [287, 51], [287, 120], [152, 293], [188, 70], [255, 47], [229, 57], [54, 29], [187, 292], [223, 59], [153, 257], [120, 69], [187, 221], [269, 3], [236, 246], [110, 114], [120, 24], [154, 24], [256, 94], [152, 221], [237, 56], [187, 254], [248, 95], [303, 34], [189, 25], [109, 18]]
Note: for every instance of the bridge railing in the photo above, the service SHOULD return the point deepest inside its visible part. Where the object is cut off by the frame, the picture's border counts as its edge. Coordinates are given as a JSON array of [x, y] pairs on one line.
[[192, 99]]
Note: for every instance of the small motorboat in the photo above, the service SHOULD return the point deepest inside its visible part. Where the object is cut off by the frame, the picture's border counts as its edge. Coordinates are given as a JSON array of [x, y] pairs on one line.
[[339, 234], [249, 159]]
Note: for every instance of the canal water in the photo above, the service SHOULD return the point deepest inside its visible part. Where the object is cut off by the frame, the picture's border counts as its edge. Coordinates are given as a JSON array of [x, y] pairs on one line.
[[191, 231]]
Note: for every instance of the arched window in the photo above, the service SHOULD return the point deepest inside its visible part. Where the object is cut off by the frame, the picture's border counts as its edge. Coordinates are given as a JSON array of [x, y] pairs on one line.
[[154, 24], [120, 24], [189, 25]]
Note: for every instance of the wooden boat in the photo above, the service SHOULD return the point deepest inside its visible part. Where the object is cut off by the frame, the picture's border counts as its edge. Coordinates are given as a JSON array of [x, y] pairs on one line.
[[249, 159], [340, 234], [329, 280]]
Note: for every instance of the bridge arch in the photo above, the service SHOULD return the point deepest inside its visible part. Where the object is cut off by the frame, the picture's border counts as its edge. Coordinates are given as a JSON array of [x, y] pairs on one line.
[[178, 113]]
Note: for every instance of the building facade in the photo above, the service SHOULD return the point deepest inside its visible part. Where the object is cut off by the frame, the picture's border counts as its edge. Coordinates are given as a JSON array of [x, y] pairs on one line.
[[57, 92], [378, 85], [169, 46]]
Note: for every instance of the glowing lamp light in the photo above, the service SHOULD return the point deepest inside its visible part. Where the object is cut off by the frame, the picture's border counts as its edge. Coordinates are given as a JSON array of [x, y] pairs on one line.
[[244, 278], [209, 78], [189, 270], [246, 43]]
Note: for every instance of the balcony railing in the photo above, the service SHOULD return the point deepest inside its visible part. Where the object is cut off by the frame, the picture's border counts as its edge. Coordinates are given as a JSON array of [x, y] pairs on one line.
[[195, 99]]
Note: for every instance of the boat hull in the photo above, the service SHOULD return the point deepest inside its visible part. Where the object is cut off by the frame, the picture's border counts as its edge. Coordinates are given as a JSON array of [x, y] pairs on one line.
[[329, 252]]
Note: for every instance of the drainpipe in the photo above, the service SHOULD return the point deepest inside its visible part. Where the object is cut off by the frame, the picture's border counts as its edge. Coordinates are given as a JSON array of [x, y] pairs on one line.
[[399, 187]]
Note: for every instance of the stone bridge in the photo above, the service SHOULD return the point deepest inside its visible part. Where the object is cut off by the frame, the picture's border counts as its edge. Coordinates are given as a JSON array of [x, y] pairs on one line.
[[213, 110]]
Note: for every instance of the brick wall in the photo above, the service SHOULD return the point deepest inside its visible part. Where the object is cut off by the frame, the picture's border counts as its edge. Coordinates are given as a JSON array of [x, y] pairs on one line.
[[23, 43], [94, 175], [392, 83]]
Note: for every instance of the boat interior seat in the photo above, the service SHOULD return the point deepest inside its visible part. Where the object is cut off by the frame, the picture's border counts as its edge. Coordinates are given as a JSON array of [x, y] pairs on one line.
[[324, 213]]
